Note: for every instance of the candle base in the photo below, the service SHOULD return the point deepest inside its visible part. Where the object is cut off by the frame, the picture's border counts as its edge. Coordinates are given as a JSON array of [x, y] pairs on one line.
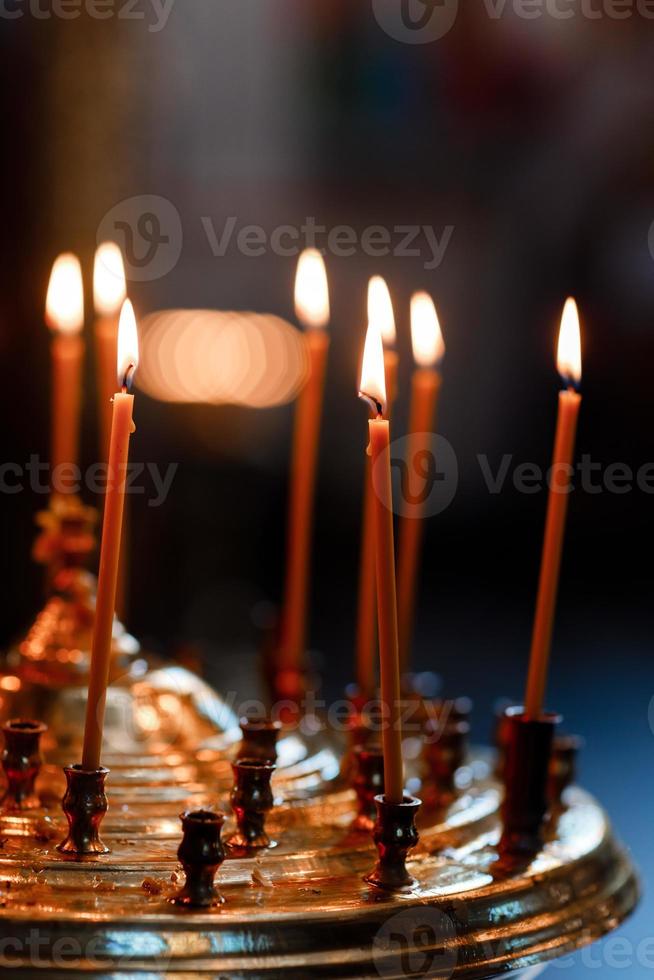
[[259, 739], [368, 784], [21, 761], [201, 853], [444, 753], [526, 803], [251, 800], [84, 805], [358, 732], [395, 834], [563, 768]]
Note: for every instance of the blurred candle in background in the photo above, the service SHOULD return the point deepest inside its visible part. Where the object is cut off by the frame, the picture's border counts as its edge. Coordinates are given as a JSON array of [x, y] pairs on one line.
[[64, 314], [312, 309], [428, 351], [109, 293], [380, 311], [569, 367], [373, 390], [112, 524]]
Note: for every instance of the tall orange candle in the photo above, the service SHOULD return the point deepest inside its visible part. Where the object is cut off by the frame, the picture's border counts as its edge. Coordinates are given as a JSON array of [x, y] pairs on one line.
[[108, 297], [312, 308], [121, 429], [569, 366], [373, 390], [109, 290], [428, 351], [380, 309], [64, 314]]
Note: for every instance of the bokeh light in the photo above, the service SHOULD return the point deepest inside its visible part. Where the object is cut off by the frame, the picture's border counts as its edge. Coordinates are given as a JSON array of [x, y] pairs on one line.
[[221, 357]]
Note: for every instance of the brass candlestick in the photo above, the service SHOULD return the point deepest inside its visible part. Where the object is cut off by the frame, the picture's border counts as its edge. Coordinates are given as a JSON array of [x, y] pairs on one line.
[[84, 805], [21, 761], [201, 853], [395, 834]]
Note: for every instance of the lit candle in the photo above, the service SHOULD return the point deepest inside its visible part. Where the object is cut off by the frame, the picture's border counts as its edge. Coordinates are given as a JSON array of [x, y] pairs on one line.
[[380, 310], [373, 390], [428, 351], [122, 427], [108, 298], [312, 308], [569, 366], [64, 314]]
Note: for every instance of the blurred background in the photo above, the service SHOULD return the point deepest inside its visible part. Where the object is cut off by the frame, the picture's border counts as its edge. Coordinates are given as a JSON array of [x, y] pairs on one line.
[[526, 146]]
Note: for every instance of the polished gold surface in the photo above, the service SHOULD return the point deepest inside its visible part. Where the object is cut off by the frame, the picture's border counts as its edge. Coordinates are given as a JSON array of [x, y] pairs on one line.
[[301, 909]]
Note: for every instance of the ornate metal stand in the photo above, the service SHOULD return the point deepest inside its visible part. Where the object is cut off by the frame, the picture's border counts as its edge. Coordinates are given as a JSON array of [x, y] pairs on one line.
[[301, 909]]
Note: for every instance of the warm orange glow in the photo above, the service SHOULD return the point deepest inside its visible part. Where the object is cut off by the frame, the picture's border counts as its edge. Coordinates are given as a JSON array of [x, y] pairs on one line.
[[220, 357], [311, 290], [373, 380], [380, 309], [426, 336], [64, 305], [569, 353], [128, 344], [108, 279]]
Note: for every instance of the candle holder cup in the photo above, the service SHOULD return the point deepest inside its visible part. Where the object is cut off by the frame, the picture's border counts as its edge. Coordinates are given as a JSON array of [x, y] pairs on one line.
[[563, 768], [251, 799], [201, 853], [84, 805], [395, 834], [526, 775], [259, 739], [445, 751], [368, 784], [21, 761]]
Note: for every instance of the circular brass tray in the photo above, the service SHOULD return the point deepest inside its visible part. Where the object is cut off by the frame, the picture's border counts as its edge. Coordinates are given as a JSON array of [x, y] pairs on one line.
[[302, 908]]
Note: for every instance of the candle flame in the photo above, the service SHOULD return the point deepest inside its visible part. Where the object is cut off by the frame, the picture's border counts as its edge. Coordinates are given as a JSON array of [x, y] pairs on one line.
[[311, 290], [64, 305], [373, 380], [380, 309], [569, 353], [128, 345], [426, 335], [108, 279]]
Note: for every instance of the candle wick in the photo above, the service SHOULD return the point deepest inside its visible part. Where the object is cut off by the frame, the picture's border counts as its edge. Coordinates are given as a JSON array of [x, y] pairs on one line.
[[375, 405], [127, 378]]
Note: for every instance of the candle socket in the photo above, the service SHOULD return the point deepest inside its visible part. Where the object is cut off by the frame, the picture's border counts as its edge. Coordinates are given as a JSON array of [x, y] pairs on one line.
[[251, 800], [288, 687], [563, 768], [395, 834], [526, 774], [445, 750], [500, 735], [368, 784], [259, 739], [359, 732], [21, 761], [201, 853], [84, 805]]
